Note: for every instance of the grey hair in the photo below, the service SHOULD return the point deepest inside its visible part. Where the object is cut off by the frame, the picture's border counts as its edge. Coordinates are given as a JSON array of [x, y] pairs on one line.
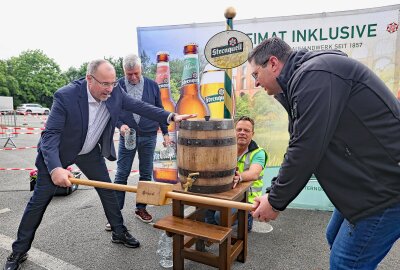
[[130, 61], [271, 46], [94, 65]]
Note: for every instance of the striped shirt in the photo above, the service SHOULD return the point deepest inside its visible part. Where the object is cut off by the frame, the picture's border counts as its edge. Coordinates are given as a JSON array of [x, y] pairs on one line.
[[135, 91], [98, 118]]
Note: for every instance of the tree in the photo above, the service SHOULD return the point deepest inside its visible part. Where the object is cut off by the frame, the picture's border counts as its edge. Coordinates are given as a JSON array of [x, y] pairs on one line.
[[4, 91], [146, 64], [176, 69], [242, 105], [117, 63], [8, 84], [38, 77], [73, 74]]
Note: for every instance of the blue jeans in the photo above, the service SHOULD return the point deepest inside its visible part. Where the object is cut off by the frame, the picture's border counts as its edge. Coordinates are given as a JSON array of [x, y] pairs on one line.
[[214, 217], [364, 244], [145, 146], [94, 167]]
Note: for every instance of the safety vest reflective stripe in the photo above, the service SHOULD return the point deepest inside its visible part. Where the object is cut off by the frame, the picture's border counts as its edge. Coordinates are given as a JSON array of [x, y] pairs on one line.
[[256, 188]]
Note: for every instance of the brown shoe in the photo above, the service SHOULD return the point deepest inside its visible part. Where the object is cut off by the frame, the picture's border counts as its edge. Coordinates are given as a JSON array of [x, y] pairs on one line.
[[143, 215]]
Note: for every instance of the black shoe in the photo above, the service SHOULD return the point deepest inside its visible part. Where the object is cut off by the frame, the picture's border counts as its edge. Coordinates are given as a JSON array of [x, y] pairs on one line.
[[125, 238], [14, 261]]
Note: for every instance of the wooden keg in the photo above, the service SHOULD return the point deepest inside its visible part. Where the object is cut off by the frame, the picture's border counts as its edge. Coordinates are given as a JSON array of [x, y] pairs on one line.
[[208, 148]]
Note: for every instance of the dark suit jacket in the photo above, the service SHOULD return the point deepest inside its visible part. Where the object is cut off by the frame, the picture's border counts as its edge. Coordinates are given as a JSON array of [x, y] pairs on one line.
[[67, 125]]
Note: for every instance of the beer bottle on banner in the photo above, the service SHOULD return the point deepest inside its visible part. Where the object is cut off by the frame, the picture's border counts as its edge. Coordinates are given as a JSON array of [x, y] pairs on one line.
[[165, 168], [163, 81], [212, 90], [190, 101]]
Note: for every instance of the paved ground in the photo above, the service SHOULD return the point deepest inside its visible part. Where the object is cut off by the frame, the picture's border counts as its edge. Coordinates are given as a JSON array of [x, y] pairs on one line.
[[72, 234]]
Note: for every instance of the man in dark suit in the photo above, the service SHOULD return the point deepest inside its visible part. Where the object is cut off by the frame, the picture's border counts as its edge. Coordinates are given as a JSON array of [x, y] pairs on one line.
[[80, 130]]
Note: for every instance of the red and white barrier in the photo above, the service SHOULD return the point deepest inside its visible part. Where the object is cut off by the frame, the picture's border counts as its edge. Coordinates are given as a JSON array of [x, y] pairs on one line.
[[24, 128], [20, 133], [17, 148], [17, 169]]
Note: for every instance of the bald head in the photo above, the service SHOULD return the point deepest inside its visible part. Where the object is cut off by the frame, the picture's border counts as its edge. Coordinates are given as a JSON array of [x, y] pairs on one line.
[[101, 78], [99, 65]]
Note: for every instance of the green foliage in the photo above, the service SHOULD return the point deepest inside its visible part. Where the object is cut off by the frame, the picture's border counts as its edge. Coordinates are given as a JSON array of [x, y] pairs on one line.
[[4, 91], [117, 63], [147, 67], [175, 89], [73, 73], [38, 77], [8, 84], [242, 106], [176, 69]]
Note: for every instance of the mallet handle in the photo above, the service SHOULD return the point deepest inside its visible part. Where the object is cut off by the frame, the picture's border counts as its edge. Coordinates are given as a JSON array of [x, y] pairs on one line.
[[209, 201], [100, 184]]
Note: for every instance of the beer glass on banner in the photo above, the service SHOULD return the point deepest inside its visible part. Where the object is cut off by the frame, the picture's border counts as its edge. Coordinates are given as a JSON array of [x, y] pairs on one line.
[[212, 90], [165, 169], [190, 101]]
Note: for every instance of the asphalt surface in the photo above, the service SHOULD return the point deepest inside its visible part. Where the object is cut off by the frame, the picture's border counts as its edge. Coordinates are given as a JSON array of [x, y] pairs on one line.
[[72, 235]]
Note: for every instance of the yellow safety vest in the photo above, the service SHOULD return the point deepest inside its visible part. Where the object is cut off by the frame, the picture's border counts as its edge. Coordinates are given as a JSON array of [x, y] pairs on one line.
[[244, 164]]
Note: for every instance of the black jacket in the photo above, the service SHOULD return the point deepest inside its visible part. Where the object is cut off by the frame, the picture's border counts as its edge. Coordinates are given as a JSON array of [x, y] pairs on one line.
[[344, 126]]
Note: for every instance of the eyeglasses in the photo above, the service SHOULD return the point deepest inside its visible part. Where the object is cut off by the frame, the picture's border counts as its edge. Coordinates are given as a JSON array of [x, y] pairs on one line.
[[255, 73], [105, 84]]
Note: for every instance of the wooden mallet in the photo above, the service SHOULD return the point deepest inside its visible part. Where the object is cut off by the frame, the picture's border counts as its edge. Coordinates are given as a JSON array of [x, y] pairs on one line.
[[155, 193]]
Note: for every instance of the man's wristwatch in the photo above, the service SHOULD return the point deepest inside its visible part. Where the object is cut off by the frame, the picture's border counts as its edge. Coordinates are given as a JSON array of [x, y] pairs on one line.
[[173, 117]]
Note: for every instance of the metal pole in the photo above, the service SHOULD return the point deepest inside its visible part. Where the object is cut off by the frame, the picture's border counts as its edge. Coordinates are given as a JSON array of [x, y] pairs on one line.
[[229, 95]]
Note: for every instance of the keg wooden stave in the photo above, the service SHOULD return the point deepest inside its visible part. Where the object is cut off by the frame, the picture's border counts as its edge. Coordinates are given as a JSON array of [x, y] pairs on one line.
[[208, 148]]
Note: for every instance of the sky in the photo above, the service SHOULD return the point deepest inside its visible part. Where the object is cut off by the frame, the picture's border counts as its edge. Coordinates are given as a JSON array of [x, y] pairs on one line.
[[76, 31]]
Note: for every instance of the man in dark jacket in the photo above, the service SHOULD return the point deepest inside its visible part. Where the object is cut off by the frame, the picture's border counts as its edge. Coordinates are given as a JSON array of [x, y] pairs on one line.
[[146, 90], [80, 130], [344, 126]]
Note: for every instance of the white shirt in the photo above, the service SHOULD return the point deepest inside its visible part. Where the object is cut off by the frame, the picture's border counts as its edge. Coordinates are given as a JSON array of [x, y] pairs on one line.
[[98, 118]]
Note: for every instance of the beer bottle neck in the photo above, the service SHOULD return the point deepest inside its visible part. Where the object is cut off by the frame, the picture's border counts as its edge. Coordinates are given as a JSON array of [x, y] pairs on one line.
[[165, 93], [190, 73], [191, 90]]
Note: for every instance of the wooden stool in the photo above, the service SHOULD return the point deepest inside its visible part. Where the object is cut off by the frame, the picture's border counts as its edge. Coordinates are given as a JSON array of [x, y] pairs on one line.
[[194, 230]]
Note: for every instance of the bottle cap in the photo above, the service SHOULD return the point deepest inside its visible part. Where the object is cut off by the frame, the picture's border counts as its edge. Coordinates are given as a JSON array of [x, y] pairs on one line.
[[162, 56], [190, 48]]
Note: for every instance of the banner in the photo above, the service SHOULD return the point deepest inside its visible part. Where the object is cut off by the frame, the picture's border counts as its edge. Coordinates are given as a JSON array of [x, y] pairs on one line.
[[369, 35]]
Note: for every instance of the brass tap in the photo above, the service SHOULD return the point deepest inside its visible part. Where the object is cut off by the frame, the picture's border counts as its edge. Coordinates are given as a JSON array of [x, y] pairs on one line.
[[192, 177]]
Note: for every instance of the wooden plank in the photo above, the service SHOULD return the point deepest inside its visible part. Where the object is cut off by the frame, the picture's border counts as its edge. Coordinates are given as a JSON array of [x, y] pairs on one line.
[[193, 228], [236, 249], [178, 260], [201, 257], [189, 241]]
